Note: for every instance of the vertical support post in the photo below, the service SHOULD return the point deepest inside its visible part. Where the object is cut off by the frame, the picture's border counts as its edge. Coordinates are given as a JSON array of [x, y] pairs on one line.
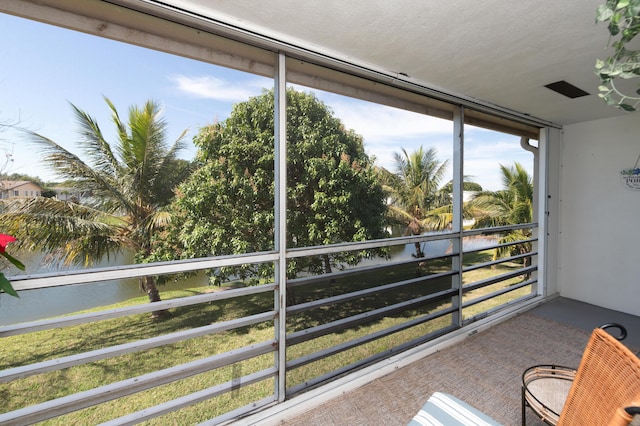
[[536, 214], [541, 208], [280, 218], [457, 205]]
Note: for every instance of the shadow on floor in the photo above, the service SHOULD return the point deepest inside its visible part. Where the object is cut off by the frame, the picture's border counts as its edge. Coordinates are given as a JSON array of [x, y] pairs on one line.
[[484, 370]]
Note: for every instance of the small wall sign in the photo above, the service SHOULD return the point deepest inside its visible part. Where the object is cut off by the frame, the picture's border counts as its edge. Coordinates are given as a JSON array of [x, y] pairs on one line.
[[631, 178]]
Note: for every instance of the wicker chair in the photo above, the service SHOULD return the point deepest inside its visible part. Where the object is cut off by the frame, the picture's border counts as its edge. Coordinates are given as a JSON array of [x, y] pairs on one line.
[[607, 383], [545, 388], [604, 391]]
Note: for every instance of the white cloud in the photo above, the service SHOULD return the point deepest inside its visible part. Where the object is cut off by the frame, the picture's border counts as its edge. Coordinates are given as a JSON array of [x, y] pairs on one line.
[[209, 87], [382, 123], [387, 130], [485, 151]]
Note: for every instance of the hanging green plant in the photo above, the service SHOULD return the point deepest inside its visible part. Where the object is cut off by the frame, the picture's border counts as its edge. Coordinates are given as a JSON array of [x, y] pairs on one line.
[[623, 17]]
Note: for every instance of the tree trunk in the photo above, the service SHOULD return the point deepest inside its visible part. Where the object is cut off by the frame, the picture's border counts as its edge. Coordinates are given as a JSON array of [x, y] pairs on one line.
[[148, 285], [327, 264], [415, 228], [419, 252], [526, 264]]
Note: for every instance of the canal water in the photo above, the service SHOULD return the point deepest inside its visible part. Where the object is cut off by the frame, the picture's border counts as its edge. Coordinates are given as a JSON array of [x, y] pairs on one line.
[[49, 302]]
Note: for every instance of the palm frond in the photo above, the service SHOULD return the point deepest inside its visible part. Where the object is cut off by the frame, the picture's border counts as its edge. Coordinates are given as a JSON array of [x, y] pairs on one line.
[[69, 232], [512, 204], [398, 216], [438, 220], [126, 181], [69, 166], [94, 145]]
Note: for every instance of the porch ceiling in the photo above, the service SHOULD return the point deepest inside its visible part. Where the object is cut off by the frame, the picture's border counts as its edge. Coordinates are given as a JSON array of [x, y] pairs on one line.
[[499, 52]]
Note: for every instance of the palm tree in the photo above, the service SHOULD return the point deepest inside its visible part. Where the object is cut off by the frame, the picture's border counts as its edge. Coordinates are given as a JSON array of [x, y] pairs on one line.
[[129, 182], [511, 205], [415, 190]]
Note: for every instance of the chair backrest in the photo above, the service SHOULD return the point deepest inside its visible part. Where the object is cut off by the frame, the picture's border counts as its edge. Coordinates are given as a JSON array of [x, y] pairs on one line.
[[607, 381]]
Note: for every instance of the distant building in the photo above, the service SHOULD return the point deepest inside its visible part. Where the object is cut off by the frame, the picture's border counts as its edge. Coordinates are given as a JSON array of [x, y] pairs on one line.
[[19, 188], [70, 194]]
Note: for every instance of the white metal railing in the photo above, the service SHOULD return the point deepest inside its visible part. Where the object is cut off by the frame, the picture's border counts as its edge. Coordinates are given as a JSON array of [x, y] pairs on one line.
[[437, 304]]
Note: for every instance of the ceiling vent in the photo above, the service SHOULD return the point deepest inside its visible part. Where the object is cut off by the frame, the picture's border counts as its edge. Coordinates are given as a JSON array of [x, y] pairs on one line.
[[567, 89]]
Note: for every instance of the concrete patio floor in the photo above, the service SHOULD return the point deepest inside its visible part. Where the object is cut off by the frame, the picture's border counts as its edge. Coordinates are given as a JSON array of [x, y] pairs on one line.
[[484, 369]]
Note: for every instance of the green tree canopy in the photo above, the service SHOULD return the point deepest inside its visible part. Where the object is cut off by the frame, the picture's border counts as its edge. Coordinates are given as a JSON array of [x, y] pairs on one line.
[[130, 183], [227, 206]]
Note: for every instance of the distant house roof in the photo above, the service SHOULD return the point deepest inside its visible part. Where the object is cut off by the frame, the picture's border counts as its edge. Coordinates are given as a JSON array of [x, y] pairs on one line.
[[13, 184]]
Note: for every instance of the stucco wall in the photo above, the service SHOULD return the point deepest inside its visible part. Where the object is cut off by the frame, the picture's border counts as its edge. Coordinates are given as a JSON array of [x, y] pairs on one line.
[[599, 239]]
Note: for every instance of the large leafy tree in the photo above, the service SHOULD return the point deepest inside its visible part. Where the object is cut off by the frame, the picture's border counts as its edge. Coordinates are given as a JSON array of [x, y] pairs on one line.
[[227, 205], [416, 192], [508, 206], [130, 182]]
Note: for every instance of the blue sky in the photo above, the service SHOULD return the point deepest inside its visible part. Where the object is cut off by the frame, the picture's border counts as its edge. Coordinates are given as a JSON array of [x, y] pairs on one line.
[[46, 68]]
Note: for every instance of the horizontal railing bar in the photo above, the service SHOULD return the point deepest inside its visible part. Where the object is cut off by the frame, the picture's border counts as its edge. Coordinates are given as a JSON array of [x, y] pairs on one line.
[[67, 404], [84, 276], [297, 282], [11, 330], [307, 359], [386, 242], [498, 229], [498, 261], [498, 293], [80, 400], [191, 399], [501, 307], [367, 361], [139, 345], [361, 293], [321, 330], [495, 246], [498, 278], [514, 243], [371, 244]]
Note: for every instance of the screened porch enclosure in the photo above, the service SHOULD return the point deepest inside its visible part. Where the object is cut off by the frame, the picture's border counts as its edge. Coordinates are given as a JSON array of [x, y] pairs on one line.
[[250, 343], [334, 324]]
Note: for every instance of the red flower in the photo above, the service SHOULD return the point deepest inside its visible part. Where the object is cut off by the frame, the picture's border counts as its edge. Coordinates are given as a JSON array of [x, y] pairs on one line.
[[4, 240]]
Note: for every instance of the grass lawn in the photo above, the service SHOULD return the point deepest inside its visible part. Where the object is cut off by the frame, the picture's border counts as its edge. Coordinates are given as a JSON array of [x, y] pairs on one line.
[[51, 344]]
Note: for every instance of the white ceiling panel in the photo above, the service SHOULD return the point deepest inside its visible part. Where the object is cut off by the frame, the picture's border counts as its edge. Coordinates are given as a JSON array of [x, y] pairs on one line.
[[497, 51]]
